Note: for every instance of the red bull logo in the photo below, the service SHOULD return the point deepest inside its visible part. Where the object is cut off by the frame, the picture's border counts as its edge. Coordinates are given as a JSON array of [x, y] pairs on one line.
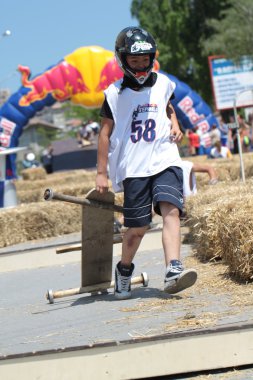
[[109, 74], [61, 81], [186, 105]]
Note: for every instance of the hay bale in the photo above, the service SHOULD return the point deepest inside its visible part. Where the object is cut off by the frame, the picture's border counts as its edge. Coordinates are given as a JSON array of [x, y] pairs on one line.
[[204, 232], [119, 200], [221, 223], [76, 183], [37, 195], [38, 221], [33, 174], [56, 179], [43, 219], [237, 238]]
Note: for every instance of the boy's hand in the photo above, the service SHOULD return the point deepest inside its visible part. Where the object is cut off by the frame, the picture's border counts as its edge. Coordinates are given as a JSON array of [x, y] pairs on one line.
[[175, 134], [175, 130], [102, 183]]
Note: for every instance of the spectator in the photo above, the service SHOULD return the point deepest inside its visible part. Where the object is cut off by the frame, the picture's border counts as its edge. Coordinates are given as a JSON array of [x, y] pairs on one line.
[[47, 159], [94, 126], [244, 131], [29, 161], [194, 141], [224, 132], [250, 122], [84, 135], [219, 151], [215, 134]]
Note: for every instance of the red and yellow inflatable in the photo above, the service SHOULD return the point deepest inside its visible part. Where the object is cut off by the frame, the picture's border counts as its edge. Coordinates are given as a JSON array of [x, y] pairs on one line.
[[81, 77]]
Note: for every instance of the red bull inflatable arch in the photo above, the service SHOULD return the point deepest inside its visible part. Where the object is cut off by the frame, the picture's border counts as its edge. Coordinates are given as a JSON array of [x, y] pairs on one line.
[[81, 78]]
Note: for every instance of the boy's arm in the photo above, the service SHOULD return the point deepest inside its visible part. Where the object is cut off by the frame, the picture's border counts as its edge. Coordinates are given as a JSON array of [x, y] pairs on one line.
[[175, 129], [102, 157]]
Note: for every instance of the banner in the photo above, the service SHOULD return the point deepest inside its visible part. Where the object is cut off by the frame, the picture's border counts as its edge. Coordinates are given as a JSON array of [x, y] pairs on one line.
[[231, 81]]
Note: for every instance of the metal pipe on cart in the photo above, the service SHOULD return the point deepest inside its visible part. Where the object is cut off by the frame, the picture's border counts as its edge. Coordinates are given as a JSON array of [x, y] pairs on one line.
[[49, 194]]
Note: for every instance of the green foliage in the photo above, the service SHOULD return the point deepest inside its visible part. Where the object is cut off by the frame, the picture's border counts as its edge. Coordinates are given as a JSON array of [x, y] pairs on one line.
[[46, 135], [72, 111], [78, 112], [164, 20], [179, 27], [233, 35]]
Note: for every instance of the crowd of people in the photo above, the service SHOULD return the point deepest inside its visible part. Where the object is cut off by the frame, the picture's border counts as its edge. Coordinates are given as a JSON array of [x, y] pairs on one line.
[[221, 141]]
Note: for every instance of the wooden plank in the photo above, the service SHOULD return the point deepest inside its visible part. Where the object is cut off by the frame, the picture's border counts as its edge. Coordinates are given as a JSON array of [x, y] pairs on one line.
[[156, 356], [97, 240]]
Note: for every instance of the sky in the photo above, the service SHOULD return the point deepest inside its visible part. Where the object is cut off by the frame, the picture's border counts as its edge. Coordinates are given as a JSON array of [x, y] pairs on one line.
[[44, 32]]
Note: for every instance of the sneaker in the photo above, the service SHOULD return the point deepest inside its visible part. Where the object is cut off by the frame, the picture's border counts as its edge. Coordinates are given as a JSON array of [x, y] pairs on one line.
[[177, 278], [122, 287], [213, 181]]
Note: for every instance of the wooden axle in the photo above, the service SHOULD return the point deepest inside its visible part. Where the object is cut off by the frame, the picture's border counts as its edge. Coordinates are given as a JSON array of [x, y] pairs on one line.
[[78, 247], [49, 194], [50, 295]]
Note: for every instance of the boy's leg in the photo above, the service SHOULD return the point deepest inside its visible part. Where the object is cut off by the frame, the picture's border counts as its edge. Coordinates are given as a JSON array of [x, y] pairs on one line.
[[171, 232], [176, 277], [124, 269], [137, 216], [168, 202], [131, 241]]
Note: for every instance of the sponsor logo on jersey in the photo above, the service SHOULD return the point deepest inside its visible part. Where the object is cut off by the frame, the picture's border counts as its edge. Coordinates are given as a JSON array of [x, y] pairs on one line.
[[147, 108], [144, 108]]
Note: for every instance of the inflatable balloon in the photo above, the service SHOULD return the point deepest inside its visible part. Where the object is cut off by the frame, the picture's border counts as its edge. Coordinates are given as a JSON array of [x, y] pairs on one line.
[[81, 78], [190, 108]]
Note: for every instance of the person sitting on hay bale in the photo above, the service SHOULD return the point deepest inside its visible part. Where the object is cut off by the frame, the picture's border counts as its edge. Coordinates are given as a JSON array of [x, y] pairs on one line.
[[189, 170], [30, 161], [84, 135], [219, 151]]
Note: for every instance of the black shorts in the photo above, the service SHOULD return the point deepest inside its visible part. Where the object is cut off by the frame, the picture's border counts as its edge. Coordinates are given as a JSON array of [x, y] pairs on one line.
[[141, 193]]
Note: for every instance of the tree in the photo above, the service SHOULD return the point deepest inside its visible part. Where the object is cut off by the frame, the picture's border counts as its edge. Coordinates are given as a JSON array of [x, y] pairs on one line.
[[165, 21], [79, 112], [233, 35], [179, 27]]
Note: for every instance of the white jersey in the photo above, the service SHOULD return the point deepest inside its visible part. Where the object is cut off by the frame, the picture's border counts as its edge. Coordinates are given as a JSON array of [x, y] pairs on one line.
[[140, 144]]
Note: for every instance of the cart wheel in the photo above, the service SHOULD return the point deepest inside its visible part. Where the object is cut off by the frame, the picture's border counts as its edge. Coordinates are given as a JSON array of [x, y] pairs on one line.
[[104, 291], [145, 279], [50, 296], [98, 292], [95, 293]]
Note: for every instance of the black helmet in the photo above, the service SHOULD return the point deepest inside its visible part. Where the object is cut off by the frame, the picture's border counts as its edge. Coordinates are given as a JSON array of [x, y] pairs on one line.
[[135, 41]]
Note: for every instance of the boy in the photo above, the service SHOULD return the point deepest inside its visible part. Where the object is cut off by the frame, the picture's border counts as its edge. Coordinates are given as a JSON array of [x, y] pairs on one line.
[[138, 136]]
